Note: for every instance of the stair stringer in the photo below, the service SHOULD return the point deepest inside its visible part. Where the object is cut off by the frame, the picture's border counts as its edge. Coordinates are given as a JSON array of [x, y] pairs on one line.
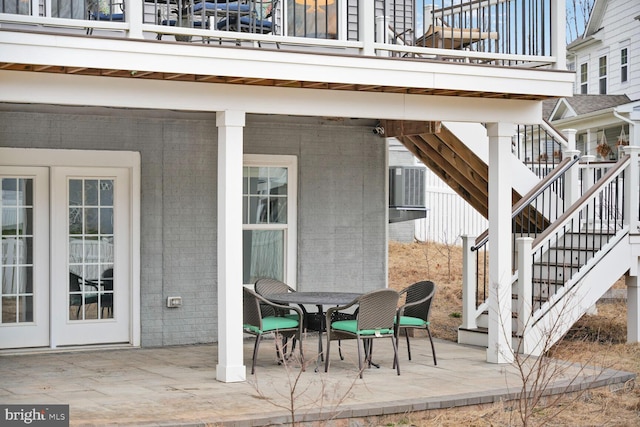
[[563, 309], [474, 136]]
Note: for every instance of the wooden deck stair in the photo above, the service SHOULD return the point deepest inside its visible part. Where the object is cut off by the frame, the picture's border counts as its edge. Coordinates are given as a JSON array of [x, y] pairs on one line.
[[453, 162]]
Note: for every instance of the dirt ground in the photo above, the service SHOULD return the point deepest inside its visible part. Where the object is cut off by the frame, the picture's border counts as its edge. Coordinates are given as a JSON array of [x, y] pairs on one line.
[[597, 340]]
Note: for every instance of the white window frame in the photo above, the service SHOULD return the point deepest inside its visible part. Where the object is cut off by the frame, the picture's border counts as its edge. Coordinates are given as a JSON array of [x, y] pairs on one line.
[[602, 76], [584, 84], [624, 65], [291, 234]]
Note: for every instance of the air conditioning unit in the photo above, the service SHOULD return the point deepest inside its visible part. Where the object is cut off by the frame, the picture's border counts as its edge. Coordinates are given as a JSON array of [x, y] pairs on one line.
[[406, 187], [406, 193]]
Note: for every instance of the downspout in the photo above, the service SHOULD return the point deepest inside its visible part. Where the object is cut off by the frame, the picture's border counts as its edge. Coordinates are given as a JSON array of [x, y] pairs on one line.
[[616, 114]]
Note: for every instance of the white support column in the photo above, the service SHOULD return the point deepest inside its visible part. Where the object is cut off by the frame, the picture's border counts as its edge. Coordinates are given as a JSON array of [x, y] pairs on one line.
[[230, 366], [500, 251], [367, 26], [469, 283], [558, 34], [633, 306]]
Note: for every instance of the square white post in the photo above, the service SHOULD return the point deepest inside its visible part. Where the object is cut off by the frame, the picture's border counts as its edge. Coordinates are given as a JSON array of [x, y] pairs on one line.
[[134, 14], [469, 283], [500, 251], [367, 26], [558, 34], [230, 366], [633, 307]]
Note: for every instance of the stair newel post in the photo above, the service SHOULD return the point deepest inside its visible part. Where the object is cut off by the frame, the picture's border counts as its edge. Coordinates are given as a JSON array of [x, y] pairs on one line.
[[525, 287], [572, 176], [587, 182], [631, 196], [469, 283]]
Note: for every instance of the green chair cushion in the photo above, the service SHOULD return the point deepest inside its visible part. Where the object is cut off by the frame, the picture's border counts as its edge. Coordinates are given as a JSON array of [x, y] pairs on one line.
[[273, 323], [352, 327], [412, 321]]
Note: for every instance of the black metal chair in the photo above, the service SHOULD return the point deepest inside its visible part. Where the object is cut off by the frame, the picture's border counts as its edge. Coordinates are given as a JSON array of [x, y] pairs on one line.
[[258, 324], [375, 319], [414, 314]]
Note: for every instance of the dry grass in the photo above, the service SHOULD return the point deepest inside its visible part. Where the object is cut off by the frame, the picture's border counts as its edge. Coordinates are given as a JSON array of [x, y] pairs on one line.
[[598, 340]]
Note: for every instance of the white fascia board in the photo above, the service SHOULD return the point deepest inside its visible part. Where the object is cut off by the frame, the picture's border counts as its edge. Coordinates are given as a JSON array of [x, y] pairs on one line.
[[32, 48], [603, 118], [65, 89], [628, 108]]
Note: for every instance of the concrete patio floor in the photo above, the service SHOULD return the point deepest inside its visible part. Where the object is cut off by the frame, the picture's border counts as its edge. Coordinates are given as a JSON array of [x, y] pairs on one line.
[[177, 386]]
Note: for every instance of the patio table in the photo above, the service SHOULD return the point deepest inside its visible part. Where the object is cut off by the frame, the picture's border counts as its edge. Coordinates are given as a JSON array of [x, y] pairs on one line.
[[315, 321]]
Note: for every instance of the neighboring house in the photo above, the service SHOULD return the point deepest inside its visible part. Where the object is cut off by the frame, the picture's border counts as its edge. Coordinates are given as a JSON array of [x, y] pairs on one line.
[[156, 157], [607, 86]]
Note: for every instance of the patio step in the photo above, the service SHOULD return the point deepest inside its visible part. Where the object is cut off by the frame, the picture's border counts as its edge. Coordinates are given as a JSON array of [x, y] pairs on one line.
[[480, 337]]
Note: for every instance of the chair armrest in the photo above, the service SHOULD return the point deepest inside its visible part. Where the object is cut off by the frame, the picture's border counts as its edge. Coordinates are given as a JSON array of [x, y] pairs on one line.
[[332, 310], [263, 300]]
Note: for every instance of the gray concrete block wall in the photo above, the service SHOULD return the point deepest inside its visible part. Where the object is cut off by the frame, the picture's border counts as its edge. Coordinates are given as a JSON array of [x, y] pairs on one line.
[[341, 200]]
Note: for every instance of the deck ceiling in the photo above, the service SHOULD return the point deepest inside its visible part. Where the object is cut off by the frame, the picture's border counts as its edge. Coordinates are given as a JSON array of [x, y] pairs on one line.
[[212, 78]]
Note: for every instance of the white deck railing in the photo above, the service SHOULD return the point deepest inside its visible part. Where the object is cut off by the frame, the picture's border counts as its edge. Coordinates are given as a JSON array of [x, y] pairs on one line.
[[479, 31]]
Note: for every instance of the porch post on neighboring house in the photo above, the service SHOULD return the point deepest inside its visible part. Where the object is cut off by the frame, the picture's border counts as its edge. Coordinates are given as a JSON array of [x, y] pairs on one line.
[[230, 366], [500, 251]]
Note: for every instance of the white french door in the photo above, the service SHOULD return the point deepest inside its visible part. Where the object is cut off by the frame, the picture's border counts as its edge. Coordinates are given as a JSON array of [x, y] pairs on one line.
[[90, 268], [24, 260], [65, 272]]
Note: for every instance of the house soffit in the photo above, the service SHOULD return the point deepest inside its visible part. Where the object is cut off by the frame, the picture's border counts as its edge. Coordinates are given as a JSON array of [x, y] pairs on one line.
[[254, 81]]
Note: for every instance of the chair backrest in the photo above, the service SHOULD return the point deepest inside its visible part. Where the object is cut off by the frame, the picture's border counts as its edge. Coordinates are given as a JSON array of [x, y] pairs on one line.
[[74, 282], [419, 291], [267, 287], [377, 309], [251, 314]]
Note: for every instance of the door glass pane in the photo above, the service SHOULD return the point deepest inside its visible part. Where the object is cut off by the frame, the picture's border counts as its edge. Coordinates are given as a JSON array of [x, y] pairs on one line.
[[16, 270], [91, 240]]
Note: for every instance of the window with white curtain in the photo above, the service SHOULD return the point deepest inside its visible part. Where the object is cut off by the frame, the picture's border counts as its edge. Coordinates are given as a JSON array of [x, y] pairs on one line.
[[268, 218]]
